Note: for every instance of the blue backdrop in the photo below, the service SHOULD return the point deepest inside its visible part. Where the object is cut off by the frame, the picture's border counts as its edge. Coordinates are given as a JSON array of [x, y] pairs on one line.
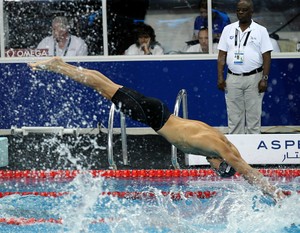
[[46, 99]]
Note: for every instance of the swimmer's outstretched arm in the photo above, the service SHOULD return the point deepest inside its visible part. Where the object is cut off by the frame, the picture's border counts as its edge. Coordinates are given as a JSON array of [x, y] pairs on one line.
[[232, 156], [91, 78]]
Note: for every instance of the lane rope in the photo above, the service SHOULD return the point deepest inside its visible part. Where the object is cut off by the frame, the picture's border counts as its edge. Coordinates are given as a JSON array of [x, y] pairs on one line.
[[30, 221], [130, 195], [125, 194], [41, 174]]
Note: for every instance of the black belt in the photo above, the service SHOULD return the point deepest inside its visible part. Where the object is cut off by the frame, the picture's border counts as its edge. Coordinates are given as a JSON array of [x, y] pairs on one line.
[[248, 73]]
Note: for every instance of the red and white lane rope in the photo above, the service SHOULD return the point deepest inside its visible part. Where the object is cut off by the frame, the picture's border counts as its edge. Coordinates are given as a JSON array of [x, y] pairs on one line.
[[9, 174], [30, 221], [130, 195], [125, 194]]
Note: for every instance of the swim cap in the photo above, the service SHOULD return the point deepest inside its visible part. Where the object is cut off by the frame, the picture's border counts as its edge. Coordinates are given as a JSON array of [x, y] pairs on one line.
[[225, 170]]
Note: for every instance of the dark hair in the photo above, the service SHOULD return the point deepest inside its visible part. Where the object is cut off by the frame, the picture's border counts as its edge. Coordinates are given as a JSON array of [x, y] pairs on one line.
[[202, 4], [142, 29]]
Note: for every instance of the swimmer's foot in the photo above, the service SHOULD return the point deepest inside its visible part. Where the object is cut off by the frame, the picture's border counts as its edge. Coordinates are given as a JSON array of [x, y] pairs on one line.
[[50, 64]]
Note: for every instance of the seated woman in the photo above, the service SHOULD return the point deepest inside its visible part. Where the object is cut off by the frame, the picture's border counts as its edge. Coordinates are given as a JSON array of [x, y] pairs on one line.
[[146, 43]]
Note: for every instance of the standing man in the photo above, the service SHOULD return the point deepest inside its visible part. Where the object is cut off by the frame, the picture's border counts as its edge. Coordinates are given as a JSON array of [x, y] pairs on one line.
[[62, 43], [246, 48]]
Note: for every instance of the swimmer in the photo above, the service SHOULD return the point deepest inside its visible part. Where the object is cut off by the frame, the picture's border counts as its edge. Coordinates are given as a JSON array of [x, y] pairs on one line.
[[189, 136]]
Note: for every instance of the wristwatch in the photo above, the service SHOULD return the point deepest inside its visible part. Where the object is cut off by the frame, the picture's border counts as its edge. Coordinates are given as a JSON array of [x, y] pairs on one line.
[[265, 77]]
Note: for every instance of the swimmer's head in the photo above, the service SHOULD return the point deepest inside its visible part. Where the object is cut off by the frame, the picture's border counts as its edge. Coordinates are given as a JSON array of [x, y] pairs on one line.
[[225, 170]]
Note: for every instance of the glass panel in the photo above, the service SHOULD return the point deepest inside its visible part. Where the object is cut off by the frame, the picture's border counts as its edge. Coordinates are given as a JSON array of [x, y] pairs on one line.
[[29, 22], [122, 15], [173, 23], [280, 17], [171, 20]]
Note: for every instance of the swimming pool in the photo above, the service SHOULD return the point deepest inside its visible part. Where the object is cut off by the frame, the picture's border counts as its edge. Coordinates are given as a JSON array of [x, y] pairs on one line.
[[144, 201]]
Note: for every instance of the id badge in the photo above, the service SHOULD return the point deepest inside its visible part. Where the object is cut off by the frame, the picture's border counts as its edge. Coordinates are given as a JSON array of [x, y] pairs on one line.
[[238, 58]]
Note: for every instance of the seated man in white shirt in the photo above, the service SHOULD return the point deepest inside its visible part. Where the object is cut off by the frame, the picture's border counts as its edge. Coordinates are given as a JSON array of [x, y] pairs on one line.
[[146, 43], [276, 48], [62, 43], [202, 46]]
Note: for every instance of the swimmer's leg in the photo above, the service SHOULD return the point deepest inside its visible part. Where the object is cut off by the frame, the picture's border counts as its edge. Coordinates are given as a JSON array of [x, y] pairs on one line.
[[148, 110], [91, 78]]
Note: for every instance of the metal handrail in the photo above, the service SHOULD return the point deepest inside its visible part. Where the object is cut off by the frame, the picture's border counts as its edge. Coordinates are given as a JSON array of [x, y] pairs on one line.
[[25, 130], [181, 96], [111, 161]]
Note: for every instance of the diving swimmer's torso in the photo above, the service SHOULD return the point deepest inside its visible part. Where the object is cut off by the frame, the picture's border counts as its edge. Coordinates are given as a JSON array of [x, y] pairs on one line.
[[191, 136]]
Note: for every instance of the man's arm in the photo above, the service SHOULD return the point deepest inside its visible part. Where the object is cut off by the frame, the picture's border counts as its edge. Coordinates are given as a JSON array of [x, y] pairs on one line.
[[221, 64], [263, 84]]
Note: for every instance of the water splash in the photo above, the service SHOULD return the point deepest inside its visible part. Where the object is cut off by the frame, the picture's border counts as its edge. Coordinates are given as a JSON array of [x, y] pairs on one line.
[[76, 214], [237, 208]]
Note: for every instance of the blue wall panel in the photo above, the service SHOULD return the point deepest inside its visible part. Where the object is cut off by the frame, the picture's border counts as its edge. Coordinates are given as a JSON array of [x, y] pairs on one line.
[[46, 99]]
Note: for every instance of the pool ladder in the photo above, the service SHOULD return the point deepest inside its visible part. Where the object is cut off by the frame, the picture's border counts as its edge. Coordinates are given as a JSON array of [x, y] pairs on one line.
[[112, 164], [181, 97]]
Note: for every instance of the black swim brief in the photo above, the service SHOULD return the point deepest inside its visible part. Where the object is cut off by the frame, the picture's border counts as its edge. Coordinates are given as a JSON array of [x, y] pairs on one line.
[[150, 111]]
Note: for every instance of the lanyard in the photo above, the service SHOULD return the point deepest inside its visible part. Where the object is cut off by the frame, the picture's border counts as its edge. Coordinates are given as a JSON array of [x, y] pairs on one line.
[[65, 50], [237, 33]]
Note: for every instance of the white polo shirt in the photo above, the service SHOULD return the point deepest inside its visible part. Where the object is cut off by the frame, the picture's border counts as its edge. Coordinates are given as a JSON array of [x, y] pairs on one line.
[[233, 40], [198, 49], [135, 50], [76, 47]]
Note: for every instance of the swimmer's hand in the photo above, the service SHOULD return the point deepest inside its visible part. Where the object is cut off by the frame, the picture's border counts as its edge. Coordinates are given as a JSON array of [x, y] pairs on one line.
[[49, 64], [279, 195], [36, 66]]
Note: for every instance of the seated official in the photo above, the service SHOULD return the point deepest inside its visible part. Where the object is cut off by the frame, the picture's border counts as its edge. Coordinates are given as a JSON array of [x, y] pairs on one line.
[[62, 43], [146, 43], [202, 46], [276, 48]]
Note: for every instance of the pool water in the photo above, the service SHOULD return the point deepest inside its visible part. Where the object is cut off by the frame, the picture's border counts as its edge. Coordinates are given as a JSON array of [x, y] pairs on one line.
[[86, 204]]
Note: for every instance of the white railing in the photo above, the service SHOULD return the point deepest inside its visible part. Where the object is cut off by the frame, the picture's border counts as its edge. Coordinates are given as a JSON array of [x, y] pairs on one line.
[[46, 130], [112, 164], [181, 97]]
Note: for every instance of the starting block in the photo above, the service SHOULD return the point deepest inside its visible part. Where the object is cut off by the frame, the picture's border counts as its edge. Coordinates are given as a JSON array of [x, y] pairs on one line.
[[3, 152]]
